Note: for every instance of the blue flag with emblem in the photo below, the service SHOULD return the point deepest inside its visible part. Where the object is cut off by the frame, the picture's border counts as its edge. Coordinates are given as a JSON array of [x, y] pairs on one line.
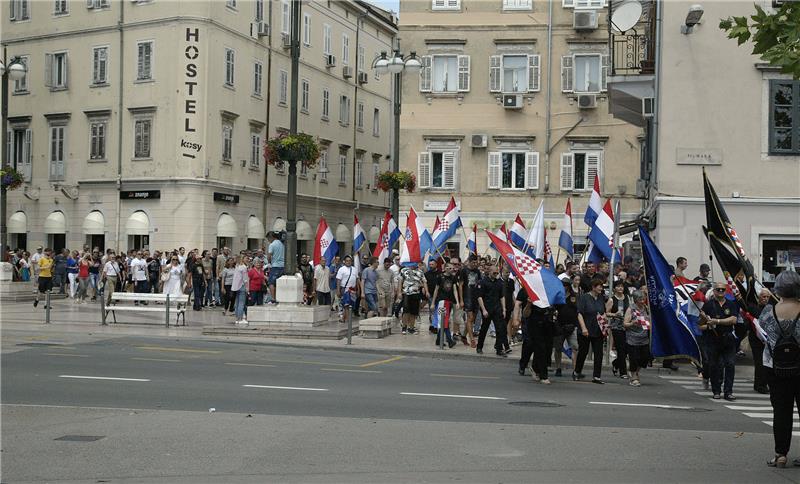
[[671, 333]]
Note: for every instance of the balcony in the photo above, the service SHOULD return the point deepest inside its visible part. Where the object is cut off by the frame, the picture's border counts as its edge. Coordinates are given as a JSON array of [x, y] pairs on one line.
[[631, 84]]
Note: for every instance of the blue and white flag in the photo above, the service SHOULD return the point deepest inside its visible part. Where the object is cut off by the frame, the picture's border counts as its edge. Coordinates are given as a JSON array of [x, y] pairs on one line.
[[448, 226], [359, 237], [518, 235], [536, 236], [595, 204], [671, 332], [565, 238]]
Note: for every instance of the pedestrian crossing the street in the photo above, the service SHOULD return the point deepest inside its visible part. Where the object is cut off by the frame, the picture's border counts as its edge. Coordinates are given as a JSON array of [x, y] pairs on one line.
[[749, 403]]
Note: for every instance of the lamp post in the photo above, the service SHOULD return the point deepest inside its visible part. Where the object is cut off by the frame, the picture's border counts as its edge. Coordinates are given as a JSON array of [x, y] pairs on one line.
[[290, 260], [396, 65], [13, 69]]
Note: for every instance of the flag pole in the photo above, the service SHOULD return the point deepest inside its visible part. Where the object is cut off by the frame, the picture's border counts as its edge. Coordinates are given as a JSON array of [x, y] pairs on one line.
[[558, 256], [614, 243]]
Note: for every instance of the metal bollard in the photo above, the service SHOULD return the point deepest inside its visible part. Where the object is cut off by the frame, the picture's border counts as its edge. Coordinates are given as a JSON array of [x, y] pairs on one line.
[[103, 310], [47, 307], [350, 326], [167, 304]]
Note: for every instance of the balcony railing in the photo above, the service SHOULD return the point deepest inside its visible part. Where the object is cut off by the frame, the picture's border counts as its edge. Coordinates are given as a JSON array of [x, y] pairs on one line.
[[633, 51]]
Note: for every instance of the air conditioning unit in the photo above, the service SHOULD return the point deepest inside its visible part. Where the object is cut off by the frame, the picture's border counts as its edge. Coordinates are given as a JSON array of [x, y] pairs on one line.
[[286, 40], [330, 60], [648, 107], [587, 101], [263, 29], [584, 19], [363, 77], [347, 72], [479, 141], [512, 101]]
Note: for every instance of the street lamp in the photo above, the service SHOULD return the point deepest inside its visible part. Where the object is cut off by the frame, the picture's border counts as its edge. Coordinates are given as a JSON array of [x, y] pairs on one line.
[[397, 65], [13, 69]]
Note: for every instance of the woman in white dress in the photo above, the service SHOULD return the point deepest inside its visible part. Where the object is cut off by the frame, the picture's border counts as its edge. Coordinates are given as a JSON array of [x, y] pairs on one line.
[[173, 285]]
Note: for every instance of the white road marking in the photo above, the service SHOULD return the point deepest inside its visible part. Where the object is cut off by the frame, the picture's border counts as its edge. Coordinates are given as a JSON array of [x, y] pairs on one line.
[[795, 425], [741, 401], [478, 397], [287, 388], [251, 364], [83, 377], [650, 405], [767, 415], [682, 379], [67, 354], [156, 359], [350, 371], [741, 395], [692, 387], [749, 408]]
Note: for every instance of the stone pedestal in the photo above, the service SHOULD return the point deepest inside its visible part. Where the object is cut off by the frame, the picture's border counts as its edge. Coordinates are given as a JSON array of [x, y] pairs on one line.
[[289, 289], [290, 312], [6, 271]]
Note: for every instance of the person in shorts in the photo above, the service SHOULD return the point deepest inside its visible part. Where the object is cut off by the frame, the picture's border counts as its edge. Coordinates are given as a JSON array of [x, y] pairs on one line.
[[413, 289], [45, 265], [347, 283]]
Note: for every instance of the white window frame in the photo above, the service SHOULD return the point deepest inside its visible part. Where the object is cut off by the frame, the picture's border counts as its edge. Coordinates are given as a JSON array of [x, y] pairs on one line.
[[255, 150], [342, 169], [227, 141], [427, 74], [307, 29], [359, 163], [568, 168], [230, 4], [23, 163], [530, 160], [286, 16], [326, 104], [283, 87], [57, 150], [21, 85], [258, 15], [360, 116], [376, 122], [305, 95], [101, 4], [345, 49], [20, 10], [96, 140], [437, 5], [569, 69], [344, 110], [96, 61], [144, 72], [517, 5], [141, 155], [323, 165], [51, 70], [425, 169], [360, 59], [258, 78], [61, 7], [327, 44], [230, 67], [584, 4]]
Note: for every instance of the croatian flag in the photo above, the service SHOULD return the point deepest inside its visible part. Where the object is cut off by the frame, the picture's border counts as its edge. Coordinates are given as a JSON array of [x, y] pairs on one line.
[[501, 233], [436, 233], [543, 287], [417, 241], [472, 242], [324, 243], [548, 253], [358, 236], [595, 204], [565, 239], [602, 233], [518, 233], [536, 235], [441, 315], [389, 235], [451, 222]]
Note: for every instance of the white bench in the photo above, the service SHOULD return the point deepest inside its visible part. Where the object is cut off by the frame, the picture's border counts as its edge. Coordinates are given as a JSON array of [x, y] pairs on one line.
[[161, 303], [375, 328]]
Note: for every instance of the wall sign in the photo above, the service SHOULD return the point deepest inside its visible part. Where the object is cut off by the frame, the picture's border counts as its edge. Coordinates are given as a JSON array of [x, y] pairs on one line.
[[698, 156], [226, 197], [189, 145], [438, 205], [140, 194]]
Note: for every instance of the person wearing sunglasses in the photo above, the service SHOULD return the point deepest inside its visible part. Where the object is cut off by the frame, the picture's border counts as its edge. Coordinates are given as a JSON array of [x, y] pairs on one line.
[[717, 318]]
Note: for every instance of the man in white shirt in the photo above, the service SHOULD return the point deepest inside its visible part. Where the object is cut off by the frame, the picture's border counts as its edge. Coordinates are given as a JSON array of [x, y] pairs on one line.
[[139, 273], [347, 283], [322, 282], [35, 265], [182, 256], [110, 276]]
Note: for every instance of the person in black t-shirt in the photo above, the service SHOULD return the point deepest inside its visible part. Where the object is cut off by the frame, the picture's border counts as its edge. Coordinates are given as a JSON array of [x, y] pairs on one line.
[[445, 302], [567, 322], [493, 310], [718, 317], [468, 279], [538, 331], [590, 305]]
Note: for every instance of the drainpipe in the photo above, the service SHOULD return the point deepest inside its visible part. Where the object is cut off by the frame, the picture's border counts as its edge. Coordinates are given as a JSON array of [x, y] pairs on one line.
[[355, 108], [657, 88], [267, 127], [119, 122], [549, 96]]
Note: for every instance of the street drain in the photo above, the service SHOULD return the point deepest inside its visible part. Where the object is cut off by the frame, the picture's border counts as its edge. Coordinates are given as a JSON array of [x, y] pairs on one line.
[[81, 438], [536, 404]]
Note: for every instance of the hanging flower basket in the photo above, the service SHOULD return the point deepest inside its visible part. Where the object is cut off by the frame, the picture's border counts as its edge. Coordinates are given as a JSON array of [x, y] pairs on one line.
[[10, 178], [389, 180], [301, 147]]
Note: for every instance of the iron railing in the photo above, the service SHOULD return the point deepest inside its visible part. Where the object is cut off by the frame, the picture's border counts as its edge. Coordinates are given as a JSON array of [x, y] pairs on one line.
[[633, 51]]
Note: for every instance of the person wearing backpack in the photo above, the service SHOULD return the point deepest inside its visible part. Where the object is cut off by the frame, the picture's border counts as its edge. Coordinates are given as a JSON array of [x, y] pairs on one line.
[[781, 336], [717, 319]]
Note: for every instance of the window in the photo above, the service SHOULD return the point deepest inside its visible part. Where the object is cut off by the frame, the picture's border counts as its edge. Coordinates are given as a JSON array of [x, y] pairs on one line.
[[360, 60], [57, 145], [345, 49], [584, 73], [583, 3], [283, 87], [326, 104], [144, 62], [97, 140], [286, 16], [98, 4], [259, 15], [20, 10], [258, 69], [327, 48], [445, 74], [514, 73], [376, 75], [56, 70], [359, 171], [513, 170], [230, 60], [376, 168], [61, 7], [344, 110], [142, 135], [360, 117], [255, 151], [227, 142], [21, 85], [19, 149], [303, 170], [323, 166], [100, 65], [306, 30], [784, 117], [517, 4], [578, 169], [436, 169], [304, 96], [376, 122], [446, 4], [342, 169], [230, 4]]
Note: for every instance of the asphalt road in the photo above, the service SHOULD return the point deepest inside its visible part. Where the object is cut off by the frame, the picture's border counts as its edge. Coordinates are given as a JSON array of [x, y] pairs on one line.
[[310, 415]]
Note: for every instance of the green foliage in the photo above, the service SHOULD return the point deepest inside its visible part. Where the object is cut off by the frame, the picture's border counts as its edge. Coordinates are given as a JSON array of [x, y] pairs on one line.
[[775, 36], [300, 147], [389, 180]]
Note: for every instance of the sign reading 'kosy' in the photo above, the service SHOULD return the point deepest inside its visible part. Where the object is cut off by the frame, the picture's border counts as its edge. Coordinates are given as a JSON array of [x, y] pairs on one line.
[[189, 141]]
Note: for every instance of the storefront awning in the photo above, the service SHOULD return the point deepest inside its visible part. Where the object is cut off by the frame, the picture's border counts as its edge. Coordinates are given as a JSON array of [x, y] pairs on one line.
[[138, 224], [94, 223], [55, 223], [18, 223], [343, 234], [304, 231], [226, 226], [279, 224], [374, 234], [255, 229]]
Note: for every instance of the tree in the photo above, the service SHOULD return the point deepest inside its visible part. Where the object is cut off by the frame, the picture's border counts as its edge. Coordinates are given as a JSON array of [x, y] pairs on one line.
[[775, 36]]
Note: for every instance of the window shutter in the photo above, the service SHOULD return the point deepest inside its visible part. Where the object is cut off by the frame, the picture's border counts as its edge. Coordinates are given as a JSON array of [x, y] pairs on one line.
[[494, 73], [425, 74], [534, 73], [592, 168], [532, 170], [27, 156], [566, 73], [9, 136], [603, 73], [424, 169], [463, 73], [449, 169], [438, 3], [453, 3], [567, 171], [494, 170], [568, 3], [66, 70], [48, 69]]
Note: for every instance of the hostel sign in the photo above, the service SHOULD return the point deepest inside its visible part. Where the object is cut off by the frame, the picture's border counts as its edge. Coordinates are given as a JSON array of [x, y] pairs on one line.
[[189, 145]]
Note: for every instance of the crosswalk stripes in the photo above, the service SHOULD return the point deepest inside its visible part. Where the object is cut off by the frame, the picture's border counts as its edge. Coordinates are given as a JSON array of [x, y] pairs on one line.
[[750, 404]]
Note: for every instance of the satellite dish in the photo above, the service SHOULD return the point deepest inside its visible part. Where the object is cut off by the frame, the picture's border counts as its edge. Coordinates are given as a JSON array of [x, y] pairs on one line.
[[626, 15]]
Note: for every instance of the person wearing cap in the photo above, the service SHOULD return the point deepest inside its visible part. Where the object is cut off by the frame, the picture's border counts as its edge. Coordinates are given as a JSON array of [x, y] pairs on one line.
[[34, 261], [717, 318], [705, 270], [276, 258]]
